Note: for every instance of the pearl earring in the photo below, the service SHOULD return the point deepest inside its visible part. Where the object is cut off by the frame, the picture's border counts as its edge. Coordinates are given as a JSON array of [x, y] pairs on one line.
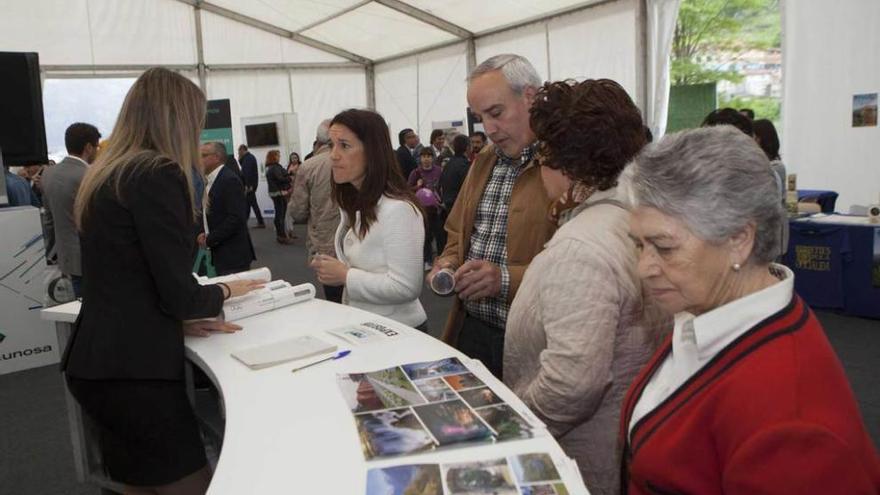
[[736, 267]]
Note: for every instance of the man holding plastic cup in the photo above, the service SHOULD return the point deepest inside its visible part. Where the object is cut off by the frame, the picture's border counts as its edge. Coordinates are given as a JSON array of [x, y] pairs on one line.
[[499, 221]]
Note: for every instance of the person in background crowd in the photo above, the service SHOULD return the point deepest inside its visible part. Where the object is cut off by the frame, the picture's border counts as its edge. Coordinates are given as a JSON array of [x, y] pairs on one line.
[[488, 248], [124, 363], [438, 142], [478, 142], [18, 191], [747, 387], [33, 175], [61, 184], [225, 221], [729, 116], [279, 190], [293, 164], [453, 175], [747, 112], [251, 173], [768, 140], [315, 146], [425, 182], [312, 202], [407, 152], [380, 238], [579, 331]]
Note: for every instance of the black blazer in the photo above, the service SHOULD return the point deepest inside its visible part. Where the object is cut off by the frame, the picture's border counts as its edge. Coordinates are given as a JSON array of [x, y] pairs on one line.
[[250, 171], [228, 235], [451, 179], [137, 281], [406, 161]]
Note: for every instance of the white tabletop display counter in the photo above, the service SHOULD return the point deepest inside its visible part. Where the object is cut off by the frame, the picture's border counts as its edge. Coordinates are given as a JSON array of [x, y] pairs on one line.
[[358, 424]]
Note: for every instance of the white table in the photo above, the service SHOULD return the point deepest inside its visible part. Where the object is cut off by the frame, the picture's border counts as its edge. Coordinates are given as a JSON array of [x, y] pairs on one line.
[[292, 432]]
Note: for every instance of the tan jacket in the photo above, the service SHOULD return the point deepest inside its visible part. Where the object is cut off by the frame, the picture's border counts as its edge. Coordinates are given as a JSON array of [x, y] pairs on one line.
[[528, 226], [312, 201]]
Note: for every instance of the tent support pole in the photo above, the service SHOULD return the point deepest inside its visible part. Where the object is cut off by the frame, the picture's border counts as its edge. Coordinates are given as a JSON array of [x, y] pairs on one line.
[[371, 86], [200, 49]]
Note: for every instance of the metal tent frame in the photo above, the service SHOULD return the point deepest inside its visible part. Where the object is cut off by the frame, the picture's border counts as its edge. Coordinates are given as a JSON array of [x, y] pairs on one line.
[[353, 60]]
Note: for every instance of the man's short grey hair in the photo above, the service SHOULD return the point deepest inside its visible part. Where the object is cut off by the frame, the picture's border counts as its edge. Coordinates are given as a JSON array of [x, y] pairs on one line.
[[322, 135], [218, 149], [716, 180], [518, 71]]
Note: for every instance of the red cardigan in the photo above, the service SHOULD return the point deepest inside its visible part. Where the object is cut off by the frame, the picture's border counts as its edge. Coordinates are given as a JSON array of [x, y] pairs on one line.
[[772, 413]]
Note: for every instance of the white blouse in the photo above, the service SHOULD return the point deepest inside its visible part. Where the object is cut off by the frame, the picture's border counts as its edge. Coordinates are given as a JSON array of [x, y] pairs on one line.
[[385, 267], [696, 340]]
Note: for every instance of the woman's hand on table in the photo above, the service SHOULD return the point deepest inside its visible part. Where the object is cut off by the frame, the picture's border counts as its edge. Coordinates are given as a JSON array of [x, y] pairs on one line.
[[242, 287], [204, 328]]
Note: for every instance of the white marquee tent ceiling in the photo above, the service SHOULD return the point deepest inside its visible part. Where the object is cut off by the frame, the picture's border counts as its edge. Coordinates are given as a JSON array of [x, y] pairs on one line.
[[382, 29]]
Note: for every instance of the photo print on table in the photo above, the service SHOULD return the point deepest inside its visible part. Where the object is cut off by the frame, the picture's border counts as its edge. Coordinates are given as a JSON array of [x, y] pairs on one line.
[[480, 397], [453, 422], [423, 406], [526, 474], [471, 478], [376, 390], [506, 422], [463, 381], [392, 432], [435, 390], [415, 479], [430, 369]]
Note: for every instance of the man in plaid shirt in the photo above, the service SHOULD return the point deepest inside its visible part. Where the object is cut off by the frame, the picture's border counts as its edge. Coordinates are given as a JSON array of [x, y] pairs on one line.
[[503, 191]]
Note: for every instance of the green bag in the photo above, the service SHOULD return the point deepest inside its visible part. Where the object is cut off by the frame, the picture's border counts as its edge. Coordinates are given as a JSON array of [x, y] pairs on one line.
[[204, 258]]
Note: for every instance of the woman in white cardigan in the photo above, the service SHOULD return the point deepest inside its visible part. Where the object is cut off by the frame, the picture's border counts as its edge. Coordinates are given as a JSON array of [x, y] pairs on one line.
[[380, 238]]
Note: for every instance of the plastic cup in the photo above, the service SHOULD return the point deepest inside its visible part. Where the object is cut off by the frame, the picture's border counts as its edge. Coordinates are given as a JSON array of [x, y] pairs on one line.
[[443, 282]]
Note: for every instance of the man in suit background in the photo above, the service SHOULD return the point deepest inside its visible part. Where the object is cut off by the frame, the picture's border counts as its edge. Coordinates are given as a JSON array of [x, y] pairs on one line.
[[251, 174], [406, 153], [225, 215], [60, 185]]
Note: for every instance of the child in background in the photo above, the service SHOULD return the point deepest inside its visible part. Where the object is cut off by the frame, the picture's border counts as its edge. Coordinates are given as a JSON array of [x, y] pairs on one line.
[[425, 181]]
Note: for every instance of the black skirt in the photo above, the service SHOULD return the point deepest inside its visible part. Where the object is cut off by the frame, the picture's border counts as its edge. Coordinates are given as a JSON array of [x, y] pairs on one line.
[[148, 433]]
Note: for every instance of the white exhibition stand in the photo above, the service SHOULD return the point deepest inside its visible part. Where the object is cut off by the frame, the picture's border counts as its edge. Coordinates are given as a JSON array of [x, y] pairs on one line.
[[293, 432], [24, 341]]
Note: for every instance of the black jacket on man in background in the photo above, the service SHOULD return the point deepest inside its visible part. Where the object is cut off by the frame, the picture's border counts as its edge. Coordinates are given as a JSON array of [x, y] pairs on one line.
[[251, 176], [228, 237]]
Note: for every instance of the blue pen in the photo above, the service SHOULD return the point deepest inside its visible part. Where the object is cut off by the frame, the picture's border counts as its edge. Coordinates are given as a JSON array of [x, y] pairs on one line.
[[338, 355]]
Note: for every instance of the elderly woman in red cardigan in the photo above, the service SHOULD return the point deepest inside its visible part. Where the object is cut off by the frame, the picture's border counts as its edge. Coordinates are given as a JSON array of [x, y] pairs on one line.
[[747, 395]]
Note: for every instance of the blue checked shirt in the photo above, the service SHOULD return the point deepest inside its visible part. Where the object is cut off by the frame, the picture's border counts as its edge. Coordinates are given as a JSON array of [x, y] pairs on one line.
[[489, 238]]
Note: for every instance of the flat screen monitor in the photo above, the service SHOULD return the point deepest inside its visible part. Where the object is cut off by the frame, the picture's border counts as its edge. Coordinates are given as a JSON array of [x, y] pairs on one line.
[[22, 128], [261, 135]]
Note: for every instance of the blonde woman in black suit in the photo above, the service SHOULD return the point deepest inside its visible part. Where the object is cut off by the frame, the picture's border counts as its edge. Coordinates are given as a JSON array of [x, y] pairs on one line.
[[124, 364]]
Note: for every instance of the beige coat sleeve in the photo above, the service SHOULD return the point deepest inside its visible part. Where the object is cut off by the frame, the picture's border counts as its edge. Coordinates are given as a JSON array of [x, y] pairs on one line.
[[579, 301]]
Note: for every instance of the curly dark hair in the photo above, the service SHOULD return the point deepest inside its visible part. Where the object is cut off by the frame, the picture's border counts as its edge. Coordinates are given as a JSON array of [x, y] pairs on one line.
[[589, 130]]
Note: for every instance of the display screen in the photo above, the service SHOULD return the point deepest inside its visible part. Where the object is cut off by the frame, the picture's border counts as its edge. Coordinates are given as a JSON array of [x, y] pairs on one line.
[[260, 135]]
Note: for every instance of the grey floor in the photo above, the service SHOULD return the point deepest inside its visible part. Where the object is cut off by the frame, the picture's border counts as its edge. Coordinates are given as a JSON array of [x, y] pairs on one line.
[[35, 447]]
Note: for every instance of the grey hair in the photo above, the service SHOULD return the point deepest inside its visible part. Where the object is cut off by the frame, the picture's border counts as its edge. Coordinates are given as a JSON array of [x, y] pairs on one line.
[[716, 180], [322, 135], [219, 149], [518, 71]]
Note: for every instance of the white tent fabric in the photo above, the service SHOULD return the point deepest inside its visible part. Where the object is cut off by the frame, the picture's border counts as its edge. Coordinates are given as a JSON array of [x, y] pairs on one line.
[[831, 51], [662, 16], [406, 58]]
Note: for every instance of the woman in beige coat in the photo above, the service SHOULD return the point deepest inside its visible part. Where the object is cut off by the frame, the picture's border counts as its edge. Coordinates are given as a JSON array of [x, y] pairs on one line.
[[578, 330]]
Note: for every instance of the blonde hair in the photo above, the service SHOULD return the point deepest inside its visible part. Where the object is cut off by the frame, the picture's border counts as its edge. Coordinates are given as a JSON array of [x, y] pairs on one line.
[[159, 124]]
